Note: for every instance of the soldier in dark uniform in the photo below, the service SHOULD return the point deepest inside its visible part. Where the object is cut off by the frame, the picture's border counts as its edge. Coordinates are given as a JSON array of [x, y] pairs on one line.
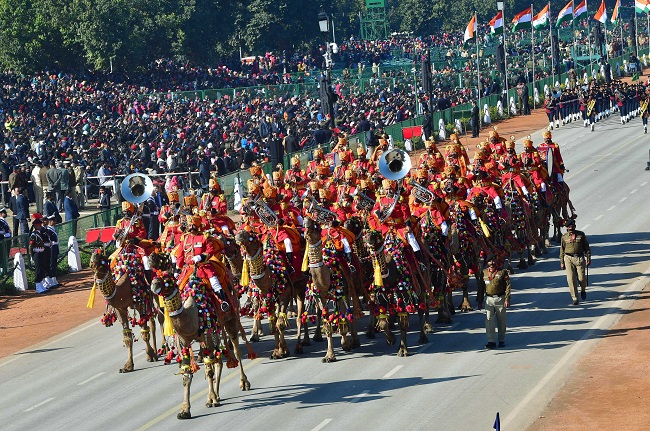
[[5, 233], [549, 107], [497, 299], [151, 223], [39, 248], [575, 256], [48, 227], [644, 100]]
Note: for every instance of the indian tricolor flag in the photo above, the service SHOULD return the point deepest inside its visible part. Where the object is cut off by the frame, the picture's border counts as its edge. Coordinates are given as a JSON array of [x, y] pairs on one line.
[[615, 13], [470, 31], [566, 14], [523, 19], [541, 19], [496, 23], [641, 6], [580, 10], [601, 14]]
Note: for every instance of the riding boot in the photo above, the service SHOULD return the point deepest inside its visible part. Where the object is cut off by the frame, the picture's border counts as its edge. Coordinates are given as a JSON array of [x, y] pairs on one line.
[[218, 290], [418, 256], [348, 257], [290, 268]]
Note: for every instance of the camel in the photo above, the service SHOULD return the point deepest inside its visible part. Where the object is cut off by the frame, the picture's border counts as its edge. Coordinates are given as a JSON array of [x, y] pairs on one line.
[[392, 293], [272, 290], [119, 294], [321, 270], [189, 326]]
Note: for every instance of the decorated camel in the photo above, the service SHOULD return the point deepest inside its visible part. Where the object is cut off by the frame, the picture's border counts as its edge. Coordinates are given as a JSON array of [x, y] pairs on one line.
[[117, 284], [194, 316]]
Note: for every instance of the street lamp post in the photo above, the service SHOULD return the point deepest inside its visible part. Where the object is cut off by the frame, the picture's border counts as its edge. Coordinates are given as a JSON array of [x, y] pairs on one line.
[[326, 94]]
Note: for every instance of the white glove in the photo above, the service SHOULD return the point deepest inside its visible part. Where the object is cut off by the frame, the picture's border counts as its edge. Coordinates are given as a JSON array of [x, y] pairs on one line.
[[197, 259], [8, 235]]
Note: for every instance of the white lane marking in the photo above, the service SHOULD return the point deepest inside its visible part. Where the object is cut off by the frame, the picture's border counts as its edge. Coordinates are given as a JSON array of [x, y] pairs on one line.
[[585, 227], [599, 217], [393, 371], [38, 405], [623, 199], [321, 425], [634, 191], [611, 208], [643, 184], [39, 347], [359, 397], [639, 284], [91, 378]]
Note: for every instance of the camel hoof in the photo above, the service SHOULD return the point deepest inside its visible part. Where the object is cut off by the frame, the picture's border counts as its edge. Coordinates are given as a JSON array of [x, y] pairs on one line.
[[402, 353], [318, 338], [329, 359], [215, 404], [522, 264], [390, 340], [298, 350], [245, 385], [184, 415], [356, 343], [531, 261], [428, 329], [126, 370], [547, 243], [347, 347], [255, 338], [370, 335], [423, 339]]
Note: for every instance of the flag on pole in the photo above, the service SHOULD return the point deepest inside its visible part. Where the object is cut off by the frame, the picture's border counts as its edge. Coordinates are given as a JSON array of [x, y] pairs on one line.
[[470, 31], [601, 14], [496, 23], [615, 13], [523, 19], [580, 10], [541, 19], [497, 423], [641, 6], [566, 14]]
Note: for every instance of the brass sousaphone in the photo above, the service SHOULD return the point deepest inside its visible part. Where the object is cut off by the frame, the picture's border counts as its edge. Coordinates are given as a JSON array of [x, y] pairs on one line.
[[393, 165]]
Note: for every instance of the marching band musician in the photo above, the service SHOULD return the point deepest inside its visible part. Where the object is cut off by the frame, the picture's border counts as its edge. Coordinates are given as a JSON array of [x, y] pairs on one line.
[[130, 235], [170, 218], [199, 251], [39, 248], [399, 219], [622, 105], [364, 199], [319, 160], [363, 166], [345, 196], [295, 177], [456, 154], [532, 163], [345, 159], [549, 107], [214, 199], [558, 164], [432, 158], [150, 215]]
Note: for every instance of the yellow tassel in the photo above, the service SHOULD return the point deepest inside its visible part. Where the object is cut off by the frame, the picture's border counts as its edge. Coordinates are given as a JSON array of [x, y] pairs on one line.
[[486, 230], [91, 299], [168, 329], [161, 302], [305, 260], [244, 280], [379, 281]]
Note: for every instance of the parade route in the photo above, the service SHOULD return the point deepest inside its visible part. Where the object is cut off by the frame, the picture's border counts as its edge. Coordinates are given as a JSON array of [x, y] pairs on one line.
[[560, 366]]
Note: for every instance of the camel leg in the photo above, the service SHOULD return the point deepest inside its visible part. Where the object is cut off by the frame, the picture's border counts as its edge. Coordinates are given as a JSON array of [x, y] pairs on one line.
[[299, 325], [531, 254], [154, 343], [257, 330], [276, 354], [403, 327], [423, 333], [318, 334], [185, 407], [329, 356], [465, 305], [244, 384], [372, 323], [213, 398], [252, 354], [281, 326], [384, 326], [127, 337], [146, 333]]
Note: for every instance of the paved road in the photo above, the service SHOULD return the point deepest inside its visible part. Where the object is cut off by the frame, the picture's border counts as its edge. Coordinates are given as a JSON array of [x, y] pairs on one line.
[[449, 383]]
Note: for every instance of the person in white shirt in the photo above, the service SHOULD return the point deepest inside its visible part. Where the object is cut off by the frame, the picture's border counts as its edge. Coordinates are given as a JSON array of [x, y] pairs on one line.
[[38, 185]]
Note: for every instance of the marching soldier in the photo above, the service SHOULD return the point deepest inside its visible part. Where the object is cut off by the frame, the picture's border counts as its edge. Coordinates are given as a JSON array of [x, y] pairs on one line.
[[575, 256], [644, 99], [39, 247], [48, 227]]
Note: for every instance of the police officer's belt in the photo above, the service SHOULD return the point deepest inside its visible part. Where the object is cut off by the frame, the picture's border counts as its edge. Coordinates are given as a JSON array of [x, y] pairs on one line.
[[574, 255]]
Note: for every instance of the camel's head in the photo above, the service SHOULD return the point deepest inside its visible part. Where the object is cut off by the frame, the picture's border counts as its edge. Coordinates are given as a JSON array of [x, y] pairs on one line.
[[163, 286], [247, 240], [98, 260], [159, 261], [373, 240], [354, 225], [312, 231], [229, 245]]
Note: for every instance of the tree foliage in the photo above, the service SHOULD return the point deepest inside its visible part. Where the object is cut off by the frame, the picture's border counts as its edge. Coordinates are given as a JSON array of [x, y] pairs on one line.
[[35, 34]]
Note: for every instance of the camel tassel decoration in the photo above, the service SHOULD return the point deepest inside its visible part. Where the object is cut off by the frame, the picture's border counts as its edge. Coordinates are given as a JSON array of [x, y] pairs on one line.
[[168, 329], [91, 298], [379, 281], [305, 260], [244, 280]]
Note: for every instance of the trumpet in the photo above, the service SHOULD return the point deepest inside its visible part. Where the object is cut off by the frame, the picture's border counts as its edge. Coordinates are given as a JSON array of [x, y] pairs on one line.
[[265, 214], [321, 215], [590, 107], [364, 202], [644, 106], [421, 193]]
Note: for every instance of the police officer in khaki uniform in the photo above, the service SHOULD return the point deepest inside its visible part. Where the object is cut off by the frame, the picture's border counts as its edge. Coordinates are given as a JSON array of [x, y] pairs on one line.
[[497, 299], [575, 256]]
